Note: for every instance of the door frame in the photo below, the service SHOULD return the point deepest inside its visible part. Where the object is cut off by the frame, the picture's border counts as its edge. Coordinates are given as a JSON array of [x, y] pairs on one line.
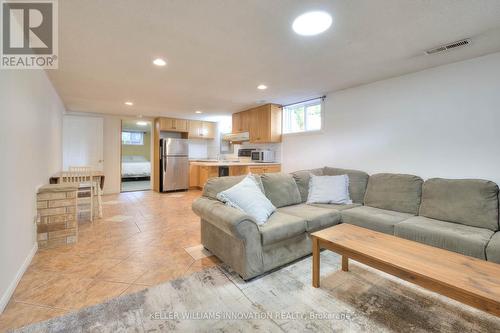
[[151, 150]]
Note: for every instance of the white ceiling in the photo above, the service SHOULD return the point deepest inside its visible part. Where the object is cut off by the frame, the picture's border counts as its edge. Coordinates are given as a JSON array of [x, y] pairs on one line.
[[131, 125], [218, 51]]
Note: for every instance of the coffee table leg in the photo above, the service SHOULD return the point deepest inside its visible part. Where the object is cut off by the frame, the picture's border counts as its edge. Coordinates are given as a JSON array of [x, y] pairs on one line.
[[345, 263], [316, 254]]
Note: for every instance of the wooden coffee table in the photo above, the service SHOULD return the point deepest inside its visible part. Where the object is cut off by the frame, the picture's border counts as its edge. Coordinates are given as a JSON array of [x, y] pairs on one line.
[[469, 280]]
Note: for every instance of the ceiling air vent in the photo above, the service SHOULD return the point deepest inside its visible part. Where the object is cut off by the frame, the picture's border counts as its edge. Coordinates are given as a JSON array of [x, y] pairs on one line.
[[454, 45]]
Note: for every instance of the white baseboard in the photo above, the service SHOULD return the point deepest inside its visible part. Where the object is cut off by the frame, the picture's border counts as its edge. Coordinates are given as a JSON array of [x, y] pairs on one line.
[[8, 293]]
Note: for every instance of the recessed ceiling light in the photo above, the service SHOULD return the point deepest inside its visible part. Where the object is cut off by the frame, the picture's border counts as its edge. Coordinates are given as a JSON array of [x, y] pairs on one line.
[[312, 23], [198, 111], [159, 62], [262, 87], [141, 123], [129, 103]]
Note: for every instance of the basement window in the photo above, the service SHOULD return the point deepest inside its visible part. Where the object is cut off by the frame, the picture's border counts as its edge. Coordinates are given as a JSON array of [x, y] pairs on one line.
[[133, 138], [303, 117]]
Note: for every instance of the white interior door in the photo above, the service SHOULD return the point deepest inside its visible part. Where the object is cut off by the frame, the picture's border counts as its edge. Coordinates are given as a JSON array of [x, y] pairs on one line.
[[83, 142]]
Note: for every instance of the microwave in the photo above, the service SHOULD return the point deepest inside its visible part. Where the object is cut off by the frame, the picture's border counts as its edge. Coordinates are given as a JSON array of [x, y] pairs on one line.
[[262, 156]]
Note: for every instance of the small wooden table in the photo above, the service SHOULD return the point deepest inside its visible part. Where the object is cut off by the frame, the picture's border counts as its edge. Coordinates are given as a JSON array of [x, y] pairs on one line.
[[97, 175], [469, 280]]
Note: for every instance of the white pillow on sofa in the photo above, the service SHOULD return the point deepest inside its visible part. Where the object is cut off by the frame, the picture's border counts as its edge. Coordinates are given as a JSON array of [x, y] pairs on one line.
[[247, 196], [329, 189]]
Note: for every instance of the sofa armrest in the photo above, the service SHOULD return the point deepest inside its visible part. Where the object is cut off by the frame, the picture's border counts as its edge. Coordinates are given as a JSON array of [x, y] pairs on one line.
[[231, 220]]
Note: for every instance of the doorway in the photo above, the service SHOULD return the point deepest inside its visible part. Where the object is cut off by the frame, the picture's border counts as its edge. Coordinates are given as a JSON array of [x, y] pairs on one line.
[[136, 155]]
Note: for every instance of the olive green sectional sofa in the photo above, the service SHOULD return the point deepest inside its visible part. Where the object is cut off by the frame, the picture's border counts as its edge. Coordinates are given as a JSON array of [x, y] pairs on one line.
[[457, 215]]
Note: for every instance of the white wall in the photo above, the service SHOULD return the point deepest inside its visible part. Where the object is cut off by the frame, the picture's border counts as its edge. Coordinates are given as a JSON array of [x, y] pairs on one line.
[[441, 122], [112, 154], [30, 148]]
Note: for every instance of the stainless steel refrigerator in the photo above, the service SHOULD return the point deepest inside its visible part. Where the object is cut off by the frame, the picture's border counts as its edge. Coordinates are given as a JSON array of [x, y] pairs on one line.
[[174, 164]]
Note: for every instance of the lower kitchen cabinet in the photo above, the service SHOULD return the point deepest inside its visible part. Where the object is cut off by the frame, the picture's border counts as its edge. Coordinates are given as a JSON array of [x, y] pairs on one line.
[[264, 169], [207, 172], [199, 174]]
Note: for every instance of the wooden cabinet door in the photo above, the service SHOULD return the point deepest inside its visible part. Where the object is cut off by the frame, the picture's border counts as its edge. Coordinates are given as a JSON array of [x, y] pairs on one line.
[[272, 168], [260, 124], [207, 172], [256, 169], [165, 124], [238, 170], [175, 125], [194, 175], [208, 130], [236, 119], [241, 122], [275, 123], [245, 121], [180, 125], [194, 128], [201, 129]]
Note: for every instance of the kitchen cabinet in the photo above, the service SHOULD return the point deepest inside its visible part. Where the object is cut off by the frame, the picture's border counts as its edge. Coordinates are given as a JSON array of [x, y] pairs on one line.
[[194, 175], [263, 123], [264, 169], [238, 170], [199, 173], [173, 124], [201, 129], [194, 127], [205, 173], [241, 122]]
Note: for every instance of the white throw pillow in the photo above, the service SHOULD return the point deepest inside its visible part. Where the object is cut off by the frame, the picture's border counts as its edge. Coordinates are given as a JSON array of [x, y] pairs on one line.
[[329, 189], [247, 196]]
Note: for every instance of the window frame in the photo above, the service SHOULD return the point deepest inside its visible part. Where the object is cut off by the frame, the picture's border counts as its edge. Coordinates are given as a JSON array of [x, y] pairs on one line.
[[319, 101], [130, 143]]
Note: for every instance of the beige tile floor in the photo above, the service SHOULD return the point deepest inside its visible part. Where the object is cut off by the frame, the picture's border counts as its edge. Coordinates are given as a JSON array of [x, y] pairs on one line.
[[139, 242]]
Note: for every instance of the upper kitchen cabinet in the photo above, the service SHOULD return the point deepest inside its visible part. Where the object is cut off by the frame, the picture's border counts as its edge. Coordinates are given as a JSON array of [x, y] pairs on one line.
[[263, 123], [201, 129], [241, 122], [173, 125]]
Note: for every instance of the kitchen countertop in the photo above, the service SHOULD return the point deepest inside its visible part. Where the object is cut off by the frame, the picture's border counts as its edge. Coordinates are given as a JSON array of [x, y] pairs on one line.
[[229, 163]]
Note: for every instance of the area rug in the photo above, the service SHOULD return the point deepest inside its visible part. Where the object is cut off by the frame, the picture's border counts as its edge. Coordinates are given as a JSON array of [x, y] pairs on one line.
[[216, 299]]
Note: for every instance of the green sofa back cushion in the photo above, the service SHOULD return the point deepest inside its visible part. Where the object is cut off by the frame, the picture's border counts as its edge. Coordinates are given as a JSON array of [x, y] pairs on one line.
[[398, 192], [302, 179], [357, 182], [472, 202], [219, 184], [281, 189]]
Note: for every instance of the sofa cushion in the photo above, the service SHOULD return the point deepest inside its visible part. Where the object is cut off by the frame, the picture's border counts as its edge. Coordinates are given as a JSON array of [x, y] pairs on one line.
[[280, 227], [216, 185], [336, 206], [316, 218], [472, 202], [493, 249], [450, 236], [357, 181], [396, 192], [302, 179], [247, 196], [329, 189], [374, 218], [281, 189]]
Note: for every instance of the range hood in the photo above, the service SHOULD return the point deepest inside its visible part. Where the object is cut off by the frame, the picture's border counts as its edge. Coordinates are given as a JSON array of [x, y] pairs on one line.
[[237, 137]]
